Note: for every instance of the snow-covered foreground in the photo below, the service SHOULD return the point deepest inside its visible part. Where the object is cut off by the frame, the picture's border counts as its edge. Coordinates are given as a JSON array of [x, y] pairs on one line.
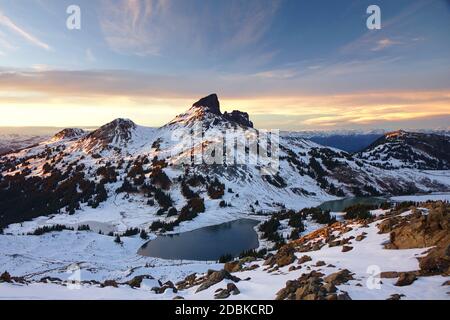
[[100, 259]]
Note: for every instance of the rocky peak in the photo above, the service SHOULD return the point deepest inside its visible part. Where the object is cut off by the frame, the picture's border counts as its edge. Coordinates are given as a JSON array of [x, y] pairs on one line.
[[117, 126], [239, 117], [118, 130], [395, 134], [209, 104], [68, 133]]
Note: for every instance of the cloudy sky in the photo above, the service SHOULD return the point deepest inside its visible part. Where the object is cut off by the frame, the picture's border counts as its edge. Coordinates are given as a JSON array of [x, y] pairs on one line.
[[292, 64]]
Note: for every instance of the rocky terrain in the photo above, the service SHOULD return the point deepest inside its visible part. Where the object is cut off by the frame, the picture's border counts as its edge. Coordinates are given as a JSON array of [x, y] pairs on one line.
[[396, 253]]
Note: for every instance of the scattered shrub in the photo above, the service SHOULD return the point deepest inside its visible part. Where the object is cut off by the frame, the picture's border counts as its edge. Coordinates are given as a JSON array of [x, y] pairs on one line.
[[216, 189], [143, 235], [225, 258], [172, 212], [295, 234], [359, 211], [296, 222], [164, 200], [253, 253], [83, 227], [131, 232], [47, 229]]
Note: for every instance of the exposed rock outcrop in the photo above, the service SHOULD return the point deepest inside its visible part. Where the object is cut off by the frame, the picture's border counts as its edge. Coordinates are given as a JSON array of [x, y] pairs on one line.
[[214, 277]]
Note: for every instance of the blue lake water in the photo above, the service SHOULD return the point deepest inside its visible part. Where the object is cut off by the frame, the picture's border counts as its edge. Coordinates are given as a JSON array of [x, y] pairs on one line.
[[210, 243], [340, 205], [205, 244]]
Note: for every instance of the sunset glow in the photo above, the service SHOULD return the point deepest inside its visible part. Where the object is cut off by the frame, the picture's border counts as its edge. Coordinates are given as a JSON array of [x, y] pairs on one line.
[[140, 66]]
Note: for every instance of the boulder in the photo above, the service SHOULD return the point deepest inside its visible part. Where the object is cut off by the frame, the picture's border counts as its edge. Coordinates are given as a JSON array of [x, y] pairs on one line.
[[233, 266], [136, 281], [222, 294], [330, 287], [346, 248], [389, 274], [307, 287], [236, 266], [422, 231], [225, 293], [233, 289], [109, 283], [214, 277], [344, 296], [5, 277], [250, 268], [50, 280], [294, 268], [304, 259], [395, 296], [339, 277], [188, 282], [389, 224], [405, 279], [285, 256], [437, 261], [164, 287]]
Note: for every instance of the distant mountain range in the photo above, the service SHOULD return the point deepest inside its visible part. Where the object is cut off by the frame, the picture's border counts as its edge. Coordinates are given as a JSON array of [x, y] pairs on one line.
[[76, 170]]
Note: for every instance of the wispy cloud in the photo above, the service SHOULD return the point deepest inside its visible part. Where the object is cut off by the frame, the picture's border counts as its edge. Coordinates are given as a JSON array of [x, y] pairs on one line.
[[90, 57], [390, 34], [134, 26], [384, 43], [8, 23], [156, 27], [146, 94]]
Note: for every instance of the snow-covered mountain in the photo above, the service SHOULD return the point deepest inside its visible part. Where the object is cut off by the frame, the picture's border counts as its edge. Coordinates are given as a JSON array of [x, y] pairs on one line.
[[402, 149], [11, 142], [147, 173]]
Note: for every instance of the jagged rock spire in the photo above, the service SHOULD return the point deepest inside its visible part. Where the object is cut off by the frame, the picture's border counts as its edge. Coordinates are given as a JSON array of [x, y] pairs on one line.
[[210, 103]]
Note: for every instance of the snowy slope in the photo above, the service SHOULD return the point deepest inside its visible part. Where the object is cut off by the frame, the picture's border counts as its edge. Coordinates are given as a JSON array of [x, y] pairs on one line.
[[100, 259]]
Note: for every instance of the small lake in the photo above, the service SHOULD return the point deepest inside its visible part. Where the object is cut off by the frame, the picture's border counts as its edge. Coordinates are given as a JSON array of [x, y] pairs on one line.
[[340, 205], [205, 244]]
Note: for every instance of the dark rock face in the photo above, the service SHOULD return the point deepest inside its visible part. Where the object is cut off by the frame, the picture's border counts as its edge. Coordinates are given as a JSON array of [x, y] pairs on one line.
[[209, 104], [69, 133], [239, 117], [421, 231]]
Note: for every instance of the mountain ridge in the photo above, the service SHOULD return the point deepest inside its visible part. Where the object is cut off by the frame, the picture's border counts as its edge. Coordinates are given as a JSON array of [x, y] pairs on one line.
[[125, 164]]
